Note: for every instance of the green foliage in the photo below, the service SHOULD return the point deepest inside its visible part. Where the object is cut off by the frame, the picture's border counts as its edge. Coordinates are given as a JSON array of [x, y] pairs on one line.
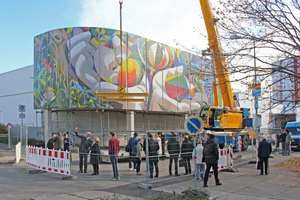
[[37, 143], [5, 140], [31, 142], [2, 128]]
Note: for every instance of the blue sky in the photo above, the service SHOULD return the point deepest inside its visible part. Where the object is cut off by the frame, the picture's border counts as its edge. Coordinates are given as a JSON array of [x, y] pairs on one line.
[[21, 20], [162, 21]]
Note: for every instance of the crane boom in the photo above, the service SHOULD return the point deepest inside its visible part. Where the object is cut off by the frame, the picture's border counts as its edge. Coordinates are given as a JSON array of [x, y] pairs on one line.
[[220, 64]]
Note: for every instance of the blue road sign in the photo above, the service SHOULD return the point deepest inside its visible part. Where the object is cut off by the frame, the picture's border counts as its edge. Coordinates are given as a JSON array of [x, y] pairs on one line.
[[22, 108], [193, 124]]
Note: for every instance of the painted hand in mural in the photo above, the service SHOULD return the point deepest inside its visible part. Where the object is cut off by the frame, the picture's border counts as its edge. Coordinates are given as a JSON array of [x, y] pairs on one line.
[[173, 92], [81, 56]]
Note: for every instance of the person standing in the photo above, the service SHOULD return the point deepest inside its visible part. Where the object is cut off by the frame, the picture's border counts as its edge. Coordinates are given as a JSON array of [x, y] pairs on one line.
[[84, 147], [288, 141], [132, 142], [158, 139], [113, 151], [95, 155], [200, 166], [58, 142], [282, 139], [174, 150], [264, 150], [153, 148], [139, 155], [68, 143], [211, 156], [186, 153], [50, 142]]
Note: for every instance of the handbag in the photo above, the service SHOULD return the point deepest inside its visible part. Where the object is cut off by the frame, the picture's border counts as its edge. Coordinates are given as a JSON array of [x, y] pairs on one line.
[[259, 165], [89, 157], [181, 162]]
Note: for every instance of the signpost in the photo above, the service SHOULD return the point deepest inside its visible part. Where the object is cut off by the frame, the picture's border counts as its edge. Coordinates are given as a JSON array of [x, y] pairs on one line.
[[22, 109], [9, 126], [194, 125]]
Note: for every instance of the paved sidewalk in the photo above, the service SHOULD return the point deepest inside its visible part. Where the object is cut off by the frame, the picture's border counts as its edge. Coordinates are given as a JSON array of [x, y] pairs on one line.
[[245, 184], [7, 156], [249, 184]]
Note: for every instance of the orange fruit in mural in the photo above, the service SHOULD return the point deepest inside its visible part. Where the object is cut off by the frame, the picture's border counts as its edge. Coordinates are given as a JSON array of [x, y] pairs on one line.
[[133, 72]]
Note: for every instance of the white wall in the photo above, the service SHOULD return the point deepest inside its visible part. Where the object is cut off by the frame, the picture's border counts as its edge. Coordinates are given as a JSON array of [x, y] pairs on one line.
[[17, 89]]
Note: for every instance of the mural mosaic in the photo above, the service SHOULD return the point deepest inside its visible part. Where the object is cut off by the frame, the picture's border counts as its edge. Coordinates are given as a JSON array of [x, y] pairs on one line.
[[71, 64]]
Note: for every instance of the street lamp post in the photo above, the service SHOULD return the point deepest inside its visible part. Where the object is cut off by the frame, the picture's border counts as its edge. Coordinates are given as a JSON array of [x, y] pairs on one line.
[[121, 2], [255, 80]]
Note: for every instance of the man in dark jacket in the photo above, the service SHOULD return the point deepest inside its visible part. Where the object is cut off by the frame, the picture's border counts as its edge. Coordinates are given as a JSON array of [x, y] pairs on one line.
[[133, 142], [282, 139], [50, 142], [186, 153], [264, 150], [174, 150], [153, 147], [211, 156], [85, 144]]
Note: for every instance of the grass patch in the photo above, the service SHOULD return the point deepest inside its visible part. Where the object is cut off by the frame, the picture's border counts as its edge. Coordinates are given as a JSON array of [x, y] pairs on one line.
[[1, 155]]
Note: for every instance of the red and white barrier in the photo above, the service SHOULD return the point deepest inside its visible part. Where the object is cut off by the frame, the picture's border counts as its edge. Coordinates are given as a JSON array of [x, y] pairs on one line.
[[240, 143], [222, 163], [230, 156], [48, 160]]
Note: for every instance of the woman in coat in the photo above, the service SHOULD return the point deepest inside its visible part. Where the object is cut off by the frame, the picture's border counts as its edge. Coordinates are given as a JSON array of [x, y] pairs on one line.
[[95, 155], [139, 155]]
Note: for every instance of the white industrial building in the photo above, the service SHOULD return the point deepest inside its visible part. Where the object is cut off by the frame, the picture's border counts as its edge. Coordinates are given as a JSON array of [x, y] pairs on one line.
[[17, 89]]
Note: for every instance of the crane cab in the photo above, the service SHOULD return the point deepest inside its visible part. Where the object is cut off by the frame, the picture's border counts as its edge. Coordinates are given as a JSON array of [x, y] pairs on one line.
[[217, 117]]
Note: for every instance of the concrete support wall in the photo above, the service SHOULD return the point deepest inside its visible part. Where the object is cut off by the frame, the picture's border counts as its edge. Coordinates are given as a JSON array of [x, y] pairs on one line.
[[47, 120], [125, 123]]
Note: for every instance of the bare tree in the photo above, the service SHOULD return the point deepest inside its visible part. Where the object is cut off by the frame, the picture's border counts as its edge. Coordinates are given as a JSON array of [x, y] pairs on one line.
[[266, 31]]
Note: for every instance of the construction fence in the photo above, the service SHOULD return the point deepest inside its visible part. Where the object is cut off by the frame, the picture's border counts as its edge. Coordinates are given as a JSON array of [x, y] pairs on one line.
[[155, 156]]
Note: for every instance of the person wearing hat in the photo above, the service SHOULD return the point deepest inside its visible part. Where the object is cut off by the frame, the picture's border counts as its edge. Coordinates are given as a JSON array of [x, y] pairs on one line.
[[132, 160], [264, 150]]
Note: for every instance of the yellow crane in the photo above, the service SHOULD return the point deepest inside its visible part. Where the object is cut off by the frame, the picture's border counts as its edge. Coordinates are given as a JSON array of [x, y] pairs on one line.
[[230, 118]]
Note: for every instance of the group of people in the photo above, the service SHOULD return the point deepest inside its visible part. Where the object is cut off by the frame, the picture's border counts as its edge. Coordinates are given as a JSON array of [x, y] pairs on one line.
[[59, 142], [206, 154], [285, 138]]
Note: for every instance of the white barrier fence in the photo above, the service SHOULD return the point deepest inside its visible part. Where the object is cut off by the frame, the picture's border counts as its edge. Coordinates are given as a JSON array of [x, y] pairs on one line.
[[48, 160], [18, 152]]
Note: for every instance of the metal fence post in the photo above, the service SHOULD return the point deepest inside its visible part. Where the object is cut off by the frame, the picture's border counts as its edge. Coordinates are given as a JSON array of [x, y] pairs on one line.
[[195, 162], [147, 160]]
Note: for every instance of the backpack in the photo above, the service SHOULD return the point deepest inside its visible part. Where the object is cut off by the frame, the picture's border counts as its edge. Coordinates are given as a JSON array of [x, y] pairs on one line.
[[128, 147], [208, 151]]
